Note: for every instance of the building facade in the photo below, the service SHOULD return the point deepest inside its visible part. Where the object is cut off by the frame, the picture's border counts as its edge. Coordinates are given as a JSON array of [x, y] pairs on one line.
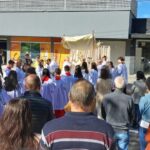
[[141, 35], [37, 26]]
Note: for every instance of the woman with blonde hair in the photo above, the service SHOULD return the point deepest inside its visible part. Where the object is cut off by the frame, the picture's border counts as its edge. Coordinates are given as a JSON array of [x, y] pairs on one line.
[[15, 126]]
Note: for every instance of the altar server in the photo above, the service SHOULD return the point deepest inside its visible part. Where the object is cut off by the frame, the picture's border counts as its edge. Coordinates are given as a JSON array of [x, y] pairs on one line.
[[93, 75], [68, 79], [60, 97]]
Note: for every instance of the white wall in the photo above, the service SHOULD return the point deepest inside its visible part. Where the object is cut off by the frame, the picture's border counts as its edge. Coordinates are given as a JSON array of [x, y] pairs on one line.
[[106, 25], [117, 48]]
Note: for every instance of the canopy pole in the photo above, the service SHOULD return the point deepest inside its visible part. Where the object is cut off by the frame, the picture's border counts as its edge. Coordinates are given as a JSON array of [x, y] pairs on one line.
[[93, 32]]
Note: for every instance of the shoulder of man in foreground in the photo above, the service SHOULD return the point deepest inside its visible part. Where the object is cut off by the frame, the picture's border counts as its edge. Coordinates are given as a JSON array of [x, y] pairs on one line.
[[39, 101], [59, 129]]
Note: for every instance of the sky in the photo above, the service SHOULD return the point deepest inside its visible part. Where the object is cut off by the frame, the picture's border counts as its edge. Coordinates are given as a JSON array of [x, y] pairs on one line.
[[143, 10]]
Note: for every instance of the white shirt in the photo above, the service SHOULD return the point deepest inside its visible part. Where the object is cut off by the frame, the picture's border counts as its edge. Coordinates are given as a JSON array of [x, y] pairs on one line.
[[66, 63], [53, 66], [99, 67], [6, 72], [104, 63], [13, 94], [39, 71], [47, 67]]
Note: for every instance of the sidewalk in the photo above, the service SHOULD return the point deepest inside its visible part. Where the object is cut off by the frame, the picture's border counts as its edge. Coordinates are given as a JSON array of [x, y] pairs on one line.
[[132, 78]]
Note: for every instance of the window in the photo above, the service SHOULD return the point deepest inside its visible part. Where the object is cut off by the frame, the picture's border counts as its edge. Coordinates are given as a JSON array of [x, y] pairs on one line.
[[32, 48]]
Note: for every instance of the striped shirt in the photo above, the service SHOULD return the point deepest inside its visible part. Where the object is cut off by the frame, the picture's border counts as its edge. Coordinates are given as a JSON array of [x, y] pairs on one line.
[[78, 131]]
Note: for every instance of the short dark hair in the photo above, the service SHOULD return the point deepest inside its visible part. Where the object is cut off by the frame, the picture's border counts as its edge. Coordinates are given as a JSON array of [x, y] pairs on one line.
[[49, 59], [11, 62], [94, 66], [110, 63], [30, 70], [85, 66], [105, 57], [58, 71], [67, 68], [11, 82], [140, 75], [46, 72], [27, 54], [82, 93], [78, 72], [105, 73], [121, 58], [148, 83]]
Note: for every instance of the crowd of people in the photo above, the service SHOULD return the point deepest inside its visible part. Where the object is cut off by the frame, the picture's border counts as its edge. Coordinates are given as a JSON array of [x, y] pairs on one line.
[[89, 106]]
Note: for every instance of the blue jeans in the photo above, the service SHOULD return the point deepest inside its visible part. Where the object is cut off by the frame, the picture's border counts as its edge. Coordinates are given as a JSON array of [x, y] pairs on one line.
[[137, 116], [142, 133], [122, 140]]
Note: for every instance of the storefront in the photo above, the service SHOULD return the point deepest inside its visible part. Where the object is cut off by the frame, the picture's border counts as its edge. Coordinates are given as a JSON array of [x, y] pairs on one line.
[[44, 47]]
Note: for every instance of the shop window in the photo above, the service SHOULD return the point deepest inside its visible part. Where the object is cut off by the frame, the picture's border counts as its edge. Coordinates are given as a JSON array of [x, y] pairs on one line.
[[32, 48]]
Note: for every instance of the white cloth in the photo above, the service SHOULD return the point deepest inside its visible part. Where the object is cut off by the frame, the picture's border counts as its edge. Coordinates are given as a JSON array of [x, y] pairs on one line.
[[48, 67], [39, 71], [66, 63], [93, 76], [104, 63], [99, 67], [84, 42], [53, 66], [6, 72], [13, 94]]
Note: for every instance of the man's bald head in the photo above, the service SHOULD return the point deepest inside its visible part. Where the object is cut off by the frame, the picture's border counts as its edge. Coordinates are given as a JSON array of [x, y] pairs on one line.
[[119, 82], [82, 93], [32, 82]]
